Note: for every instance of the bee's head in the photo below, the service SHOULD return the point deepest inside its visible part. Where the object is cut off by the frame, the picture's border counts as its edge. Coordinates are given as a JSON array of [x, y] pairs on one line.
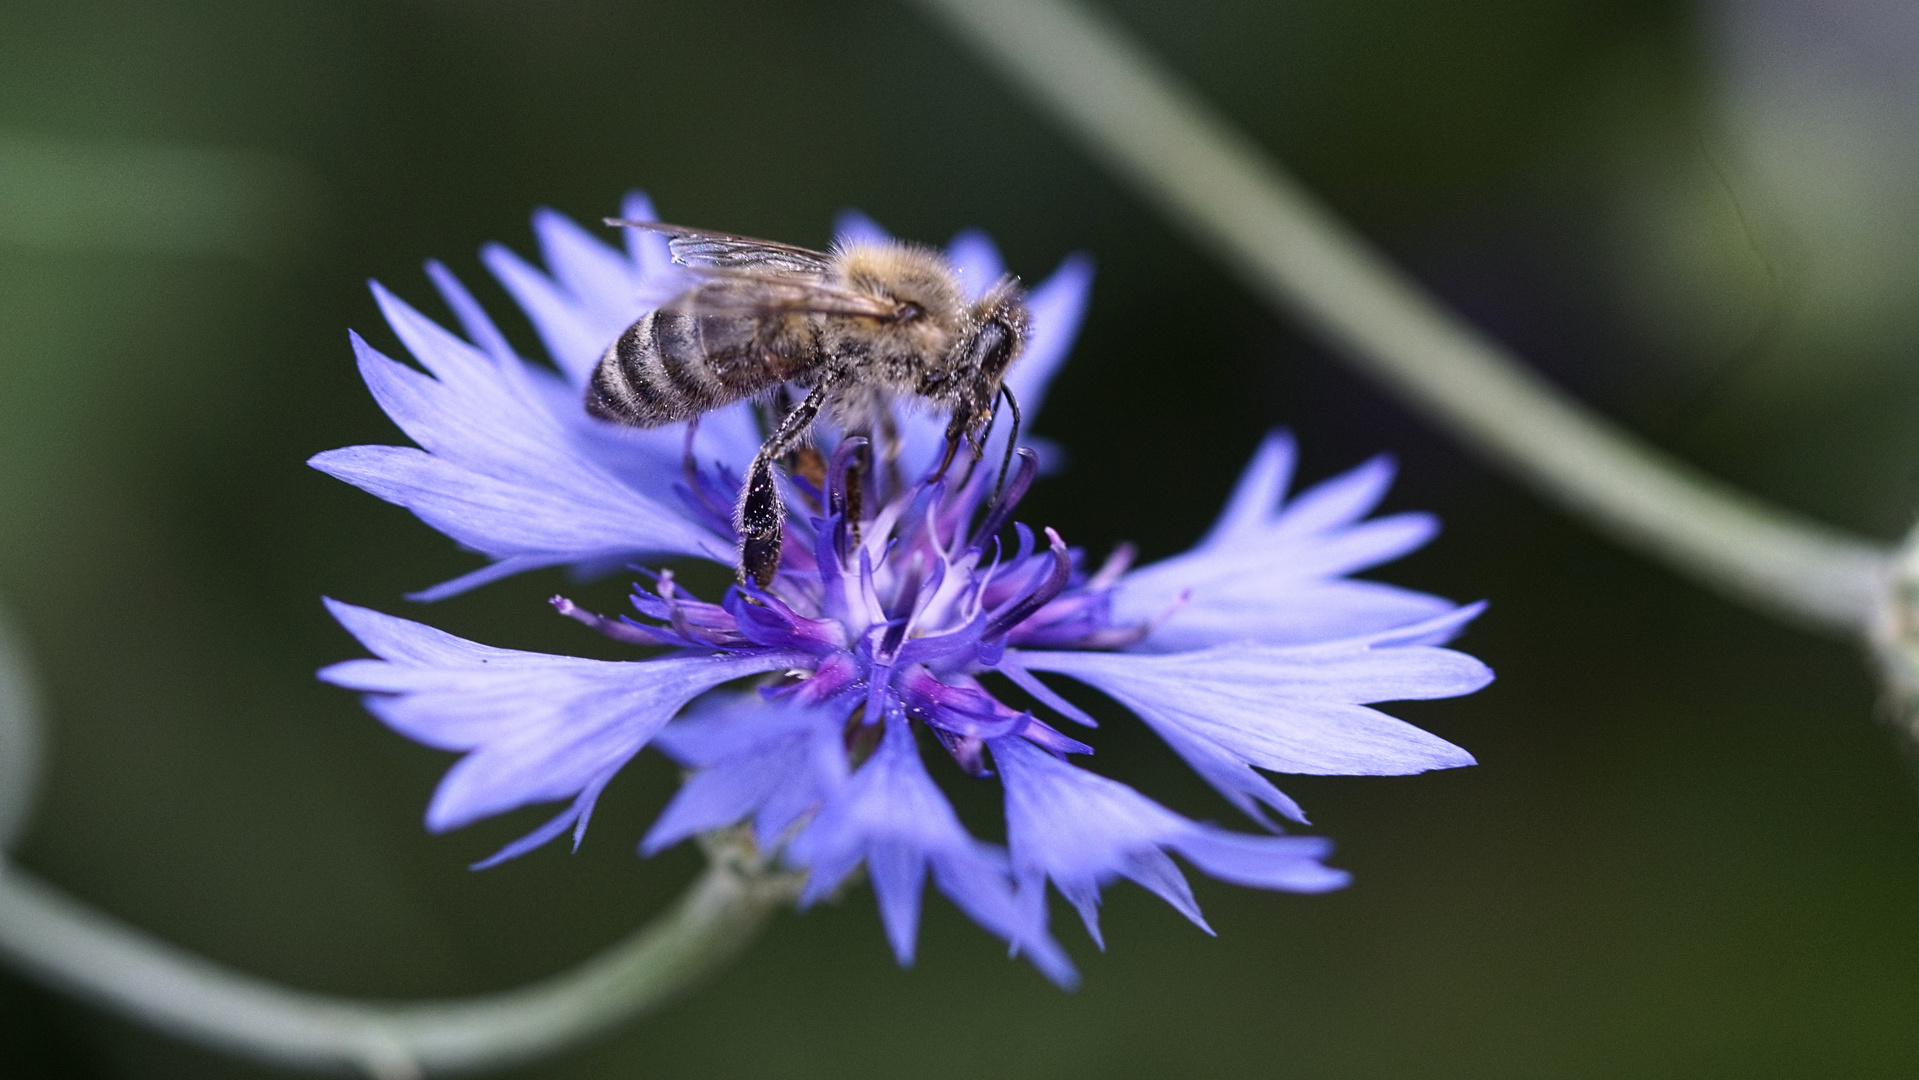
[[996, 334], [976, 372]]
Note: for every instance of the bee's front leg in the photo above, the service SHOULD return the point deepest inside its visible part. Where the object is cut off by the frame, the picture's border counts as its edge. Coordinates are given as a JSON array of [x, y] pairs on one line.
[[955, 435], [760, 518]]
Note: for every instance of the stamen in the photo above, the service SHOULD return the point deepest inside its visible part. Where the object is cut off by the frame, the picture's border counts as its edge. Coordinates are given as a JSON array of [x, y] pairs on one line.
[[1004, 502], [626, 633], [1043, 594], [708, 497], [667, 591], [836, 478], [906, 596], [1113, 568]]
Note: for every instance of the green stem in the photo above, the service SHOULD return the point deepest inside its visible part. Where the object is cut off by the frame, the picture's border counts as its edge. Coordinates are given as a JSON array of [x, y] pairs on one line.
[[93, 956], [128, 972], [1229, 195]]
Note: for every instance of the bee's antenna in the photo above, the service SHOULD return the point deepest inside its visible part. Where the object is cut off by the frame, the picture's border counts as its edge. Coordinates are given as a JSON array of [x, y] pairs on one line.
[[1012, 440]]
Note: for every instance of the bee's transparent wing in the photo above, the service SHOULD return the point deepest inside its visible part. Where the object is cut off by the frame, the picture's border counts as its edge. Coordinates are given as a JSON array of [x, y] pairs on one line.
[[704, 250], [742, 276], [760, 295]]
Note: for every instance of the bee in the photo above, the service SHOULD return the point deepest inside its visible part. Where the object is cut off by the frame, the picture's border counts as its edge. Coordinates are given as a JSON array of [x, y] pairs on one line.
[[856, 328]]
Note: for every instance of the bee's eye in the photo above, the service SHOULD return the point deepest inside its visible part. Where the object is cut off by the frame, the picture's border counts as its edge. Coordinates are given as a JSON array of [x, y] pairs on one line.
[[908, 311]]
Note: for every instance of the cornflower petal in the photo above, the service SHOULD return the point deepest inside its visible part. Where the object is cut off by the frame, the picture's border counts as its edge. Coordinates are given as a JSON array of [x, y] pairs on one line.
[[891, 816], [773, 762], [1285, 863], [1229, 774], [574, 334], [533, 727], [1291, 709], [1296, 709], [479, 327], [496, 471], [978, 261], [1058, 306], [648, 459], [1272, 571], [853, 227], [574, 817], [601, 279], [1082, 831], [647, 250]]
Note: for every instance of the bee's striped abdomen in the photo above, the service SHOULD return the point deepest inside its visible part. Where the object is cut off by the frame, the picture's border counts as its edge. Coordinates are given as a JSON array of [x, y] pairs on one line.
[[622, 389], [658, 371]]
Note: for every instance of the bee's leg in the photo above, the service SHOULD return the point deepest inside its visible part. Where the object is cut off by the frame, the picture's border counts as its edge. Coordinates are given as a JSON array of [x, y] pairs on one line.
[[955, 434], [803, 461], [978, 442], [761, 517]]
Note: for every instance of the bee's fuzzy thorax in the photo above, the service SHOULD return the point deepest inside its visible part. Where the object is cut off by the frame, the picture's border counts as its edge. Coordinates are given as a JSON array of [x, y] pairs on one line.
[[905, 272]]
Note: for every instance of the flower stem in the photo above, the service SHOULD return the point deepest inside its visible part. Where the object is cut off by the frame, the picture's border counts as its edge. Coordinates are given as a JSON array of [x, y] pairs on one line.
[[93, 956], [1232, 197], [22, 743]]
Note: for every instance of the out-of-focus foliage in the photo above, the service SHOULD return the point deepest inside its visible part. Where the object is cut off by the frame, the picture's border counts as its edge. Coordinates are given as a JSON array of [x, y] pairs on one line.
[[1687, 850]]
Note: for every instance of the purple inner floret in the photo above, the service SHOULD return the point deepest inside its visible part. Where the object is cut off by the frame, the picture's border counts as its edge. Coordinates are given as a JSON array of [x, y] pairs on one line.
[[1254, 652], [897, 619]]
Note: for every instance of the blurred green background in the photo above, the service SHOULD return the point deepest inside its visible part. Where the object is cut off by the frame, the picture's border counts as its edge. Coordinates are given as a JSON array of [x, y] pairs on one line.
[[1690, 849]]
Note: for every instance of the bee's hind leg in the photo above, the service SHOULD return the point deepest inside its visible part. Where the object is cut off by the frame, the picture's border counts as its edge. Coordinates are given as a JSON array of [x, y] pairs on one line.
[[761, 515]]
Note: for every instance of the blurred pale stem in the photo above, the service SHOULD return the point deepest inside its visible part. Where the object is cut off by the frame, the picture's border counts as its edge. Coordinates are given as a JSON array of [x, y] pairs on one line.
[[21, 741], [1232, 197], [102, 960], [137, 976]]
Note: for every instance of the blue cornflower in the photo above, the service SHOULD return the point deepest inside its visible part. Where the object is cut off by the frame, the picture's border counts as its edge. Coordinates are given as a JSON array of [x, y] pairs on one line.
[[896, 594]]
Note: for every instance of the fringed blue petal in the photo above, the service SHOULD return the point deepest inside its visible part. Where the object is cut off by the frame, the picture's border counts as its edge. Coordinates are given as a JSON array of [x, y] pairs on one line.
[[533, 727], [1082, 831], [1274, 572], [891, 816]]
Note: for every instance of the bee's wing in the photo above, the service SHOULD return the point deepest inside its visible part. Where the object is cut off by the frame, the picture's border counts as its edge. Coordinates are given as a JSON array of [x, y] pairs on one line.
[[705, 250], [743, 294]]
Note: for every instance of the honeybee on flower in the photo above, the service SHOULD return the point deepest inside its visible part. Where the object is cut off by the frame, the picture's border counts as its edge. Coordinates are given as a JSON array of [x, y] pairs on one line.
[[897, 592]]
